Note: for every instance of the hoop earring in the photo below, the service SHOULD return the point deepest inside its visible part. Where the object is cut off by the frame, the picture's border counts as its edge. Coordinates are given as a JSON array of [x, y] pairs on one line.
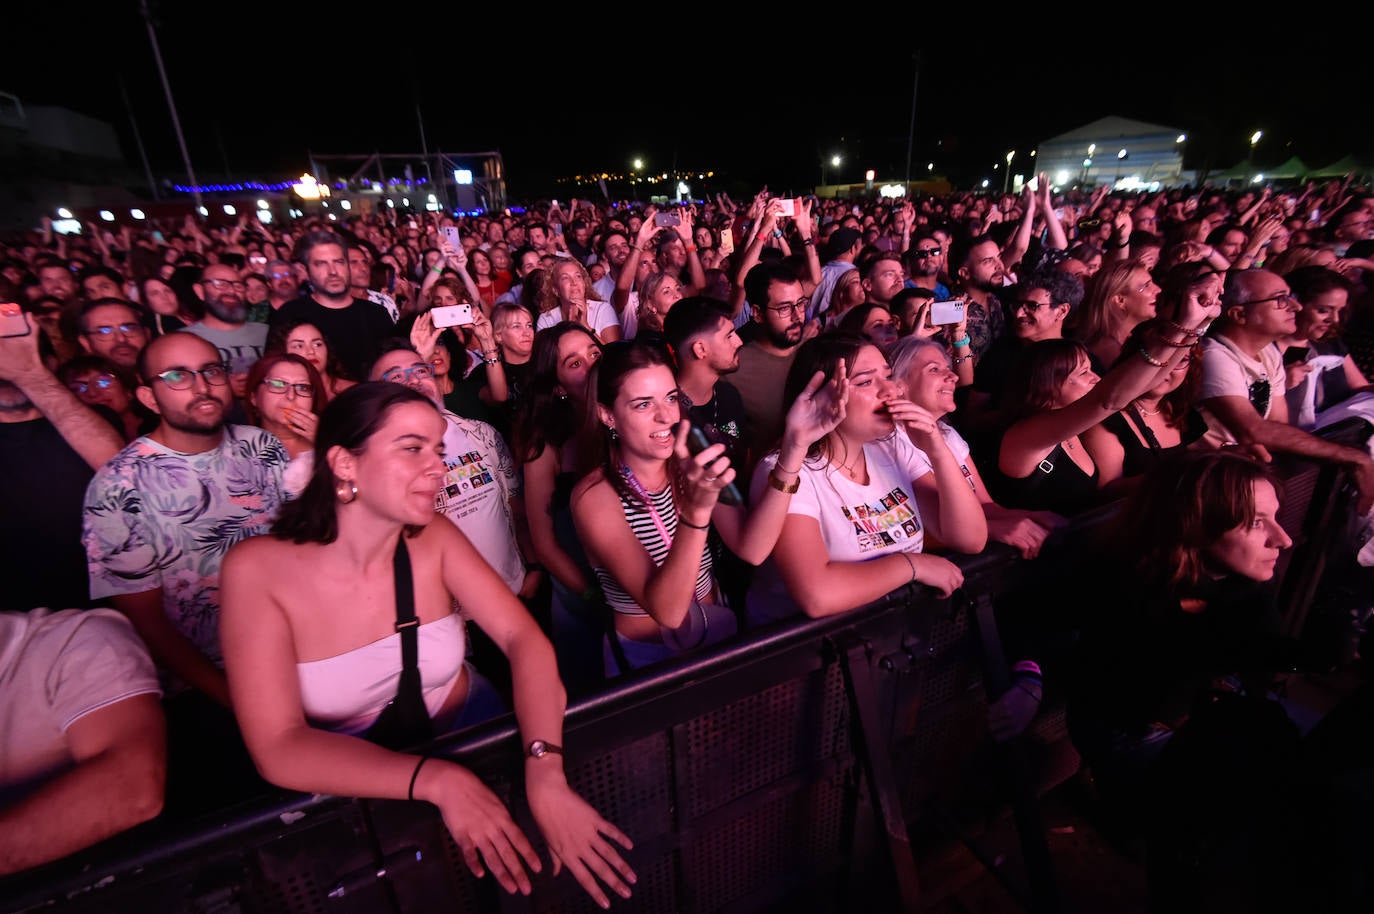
[[345, 491]]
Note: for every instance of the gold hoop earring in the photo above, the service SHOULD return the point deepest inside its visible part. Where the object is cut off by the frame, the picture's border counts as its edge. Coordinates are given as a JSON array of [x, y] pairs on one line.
[[345, 491]]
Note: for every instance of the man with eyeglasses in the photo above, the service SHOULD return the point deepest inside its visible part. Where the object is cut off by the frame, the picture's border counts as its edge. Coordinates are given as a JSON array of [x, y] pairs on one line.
[[226, 326], [480, 491], [282, 284], [1242, 395], [924, 261], [110, 328], [159, 518], [778, 310]]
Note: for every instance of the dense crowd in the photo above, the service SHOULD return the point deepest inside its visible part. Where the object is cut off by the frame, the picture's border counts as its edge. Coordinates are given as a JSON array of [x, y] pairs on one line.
[[256, 480]]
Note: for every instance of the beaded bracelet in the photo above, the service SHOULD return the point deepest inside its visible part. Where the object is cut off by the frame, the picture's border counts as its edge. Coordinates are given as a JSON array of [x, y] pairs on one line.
[[1175, 325], [1144, 354]]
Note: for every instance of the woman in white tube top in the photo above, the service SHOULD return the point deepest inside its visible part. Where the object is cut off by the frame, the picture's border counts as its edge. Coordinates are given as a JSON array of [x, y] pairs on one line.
[[308, 627]]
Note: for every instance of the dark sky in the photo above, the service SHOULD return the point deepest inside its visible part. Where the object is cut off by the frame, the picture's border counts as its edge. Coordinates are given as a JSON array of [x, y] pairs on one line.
[[258, 84]]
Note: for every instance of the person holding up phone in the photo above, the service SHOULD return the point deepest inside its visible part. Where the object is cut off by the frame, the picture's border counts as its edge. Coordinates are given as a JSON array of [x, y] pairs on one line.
[[645, 513]]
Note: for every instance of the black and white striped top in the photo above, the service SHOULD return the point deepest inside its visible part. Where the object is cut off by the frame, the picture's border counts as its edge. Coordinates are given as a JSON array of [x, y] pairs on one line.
[[641, 522]]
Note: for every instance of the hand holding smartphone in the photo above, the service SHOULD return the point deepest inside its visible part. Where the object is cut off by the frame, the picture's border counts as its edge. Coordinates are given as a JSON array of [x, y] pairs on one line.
[[946, 312], [13, 321], [452, 315], [698, 442]]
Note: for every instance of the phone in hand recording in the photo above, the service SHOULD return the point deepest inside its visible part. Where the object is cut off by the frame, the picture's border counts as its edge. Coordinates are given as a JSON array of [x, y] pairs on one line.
[[698, 442], [663, 220], [452, 315], [727, 241], [12, 320], [946, 312], [787, 206], [451, 235]]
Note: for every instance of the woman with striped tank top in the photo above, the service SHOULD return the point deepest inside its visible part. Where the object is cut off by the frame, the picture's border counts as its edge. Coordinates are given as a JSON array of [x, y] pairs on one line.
[[644, 515]]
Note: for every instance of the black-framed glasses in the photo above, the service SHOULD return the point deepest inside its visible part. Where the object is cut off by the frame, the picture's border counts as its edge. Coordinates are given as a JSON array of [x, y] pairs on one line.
[[103, 382], [1286, 297], [923, 253], [225, 284], [790, 307], [419, 371], [279, 387], [1259, 396], [183, 378], [105, 332]]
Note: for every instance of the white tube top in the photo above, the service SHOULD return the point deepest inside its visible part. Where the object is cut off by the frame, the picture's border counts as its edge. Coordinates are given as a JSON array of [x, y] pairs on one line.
[[347, 692]]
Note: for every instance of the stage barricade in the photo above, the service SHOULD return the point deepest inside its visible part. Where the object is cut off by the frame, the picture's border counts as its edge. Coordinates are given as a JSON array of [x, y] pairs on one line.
[[799, 765]]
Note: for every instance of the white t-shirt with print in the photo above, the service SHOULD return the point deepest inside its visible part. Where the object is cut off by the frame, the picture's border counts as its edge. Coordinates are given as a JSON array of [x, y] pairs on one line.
[[475, 494], [858, 522], [1228, 372]]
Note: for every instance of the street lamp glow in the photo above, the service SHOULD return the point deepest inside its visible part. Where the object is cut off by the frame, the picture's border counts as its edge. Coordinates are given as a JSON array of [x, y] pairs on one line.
[[137, 214], [1181, 138], [1011, 155], [229, 210], [63, 213], [1257, 179], [1092, 147], [1061, 177], [639, 164], [107, 215], [835, 161], [1256, 137], [1121, 153], [930, 167], [1087, 163], [868, 175], [985, 182]]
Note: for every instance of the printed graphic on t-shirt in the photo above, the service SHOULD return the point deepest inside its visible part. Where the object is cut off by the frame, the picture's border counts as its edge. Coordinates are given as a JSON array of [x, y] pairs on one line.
[[885, 523], [466, 474]]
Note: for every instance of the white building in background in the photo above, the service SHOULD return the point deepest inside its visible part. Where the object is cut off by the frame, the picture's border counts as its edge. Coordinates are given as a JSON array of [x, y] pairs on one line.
[[1117, 151]]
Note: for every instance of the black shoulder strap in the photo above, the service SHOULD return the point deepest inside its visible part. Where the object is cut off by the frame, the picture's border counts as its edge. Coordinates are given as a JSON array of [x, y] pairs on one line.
[[406, 620]]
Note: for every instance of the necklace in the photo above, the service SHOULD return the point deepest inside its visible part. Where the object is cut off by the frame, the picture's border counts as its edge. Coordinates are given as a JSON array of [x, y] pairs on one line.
[[1146, 412]]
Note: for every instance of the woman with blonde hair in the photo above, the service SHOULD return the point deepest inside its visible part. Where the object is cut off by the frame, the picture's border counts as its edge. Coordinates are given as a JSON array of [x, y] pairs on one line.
[[567, 296], [1120, 296]]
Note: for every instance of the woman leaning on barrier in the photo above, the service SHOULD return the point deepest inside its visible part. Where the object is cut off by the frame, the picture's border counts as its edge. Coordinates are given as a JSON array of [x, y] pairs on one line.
[[317, 620], [868, 495]]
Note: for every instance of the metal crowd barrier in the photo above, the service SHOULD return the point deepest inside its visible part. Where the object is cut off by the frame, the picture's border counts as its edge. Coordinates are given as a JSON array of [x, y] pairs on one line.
[[795, 766]]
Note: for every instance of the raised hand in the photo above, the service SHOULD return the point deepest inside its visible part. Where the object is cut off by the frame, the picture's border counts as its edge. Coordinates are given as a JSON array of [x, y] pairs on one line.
[[424, 336], [703, 475], [817, 411], [920, 424]]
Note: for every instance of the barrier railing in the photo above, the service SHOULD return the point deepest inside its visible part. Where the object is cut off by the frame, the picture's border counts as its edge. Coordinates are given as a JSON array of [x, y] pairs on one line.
[[791, 766]]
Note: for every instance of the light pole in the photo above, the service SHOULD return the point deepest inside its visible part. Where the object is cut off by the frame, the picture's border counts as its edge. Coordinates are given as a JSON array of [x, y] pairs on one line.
[[834, 160], [1006, 178]]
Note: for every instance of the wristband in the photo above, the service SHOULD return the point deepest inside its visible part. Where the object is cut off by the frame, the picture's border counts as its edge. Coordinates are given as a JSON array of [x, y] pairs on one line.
[[777, 233], [1029, 667], [686, 523], [910, 564], [810, 242], [410, 792], [436, 270], [962, 341], [691, 248], [786, 488]]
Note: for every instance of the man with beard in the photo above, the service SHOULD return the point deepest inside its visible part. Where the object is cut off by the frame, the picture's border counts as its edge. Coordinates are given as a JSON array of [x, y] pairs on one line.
[[282, 284], [924, 261], [706, 348], [50, 446], [360, 260], [613, 251], [352, 325], [226, 326], [778, 307], [110, 328], [978, 266], [161, 514]]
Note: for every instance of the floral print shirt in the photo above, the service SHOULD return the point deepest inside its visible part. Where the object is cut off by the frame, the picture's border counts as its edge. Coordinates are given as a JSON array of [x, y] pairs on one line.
[[155, 517]]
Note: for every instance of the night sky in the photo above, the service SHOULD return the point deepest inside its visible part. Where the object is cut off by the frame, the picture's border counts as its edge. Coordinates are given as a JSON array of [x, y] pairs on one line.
[[260, 84]]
